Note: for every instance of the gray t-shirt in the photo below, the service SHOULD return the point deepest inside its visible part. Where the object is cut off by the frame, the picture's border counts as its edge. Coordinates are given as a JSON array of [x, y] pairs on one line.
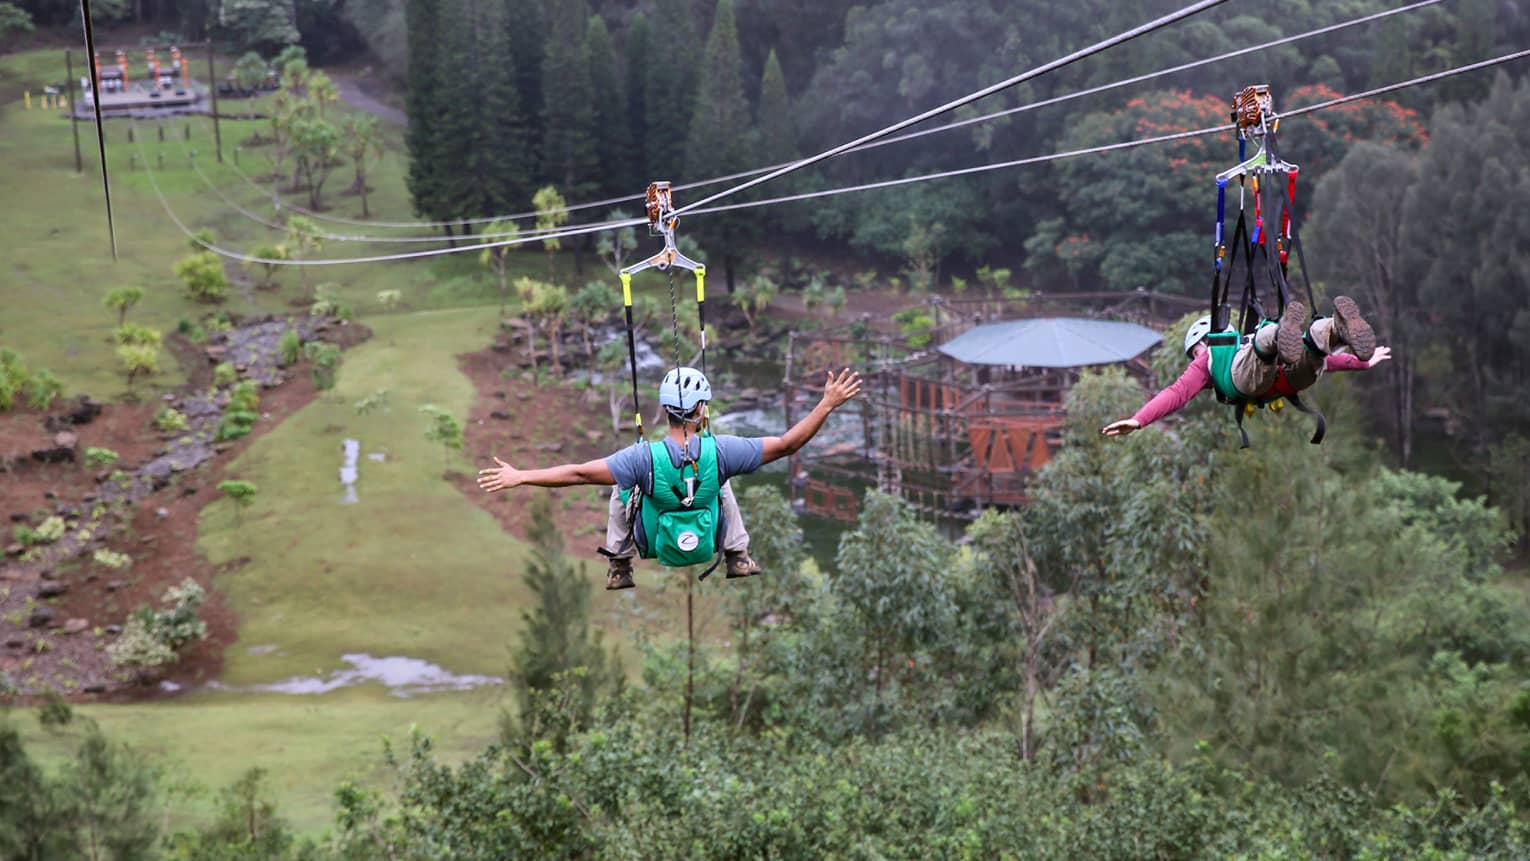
[[736, 455]]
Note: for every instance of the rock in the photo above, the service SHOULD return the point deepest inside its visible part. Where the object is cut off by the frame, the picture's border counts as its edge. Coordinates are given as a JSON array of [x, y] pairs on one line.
[[168, 397], [75, 626], [594, 435], [523, 396], [52, 588], [500, 395], [66, 439], [147, 540], [19, 517], [84, 411], [500, 415], [163, 513], [89, 498], [550, 446], [114, 585], [42, 616], [94, 688], [188, 490], [15, 642], [14, 550], [48, 494], [216, 354]]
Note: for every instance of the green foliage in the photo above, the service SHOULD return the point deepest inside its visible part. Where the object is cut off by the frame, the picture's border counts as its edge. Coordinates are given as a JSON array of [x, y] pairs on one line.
[[245, 395], [99, 458], [551, 214], [290, 348], [138, 360], [325, 358], [14, 19], [262, 25], [54, 713], [249, 71], [169, 419], [444, 428], [25, 535], [916, 324], [224, 374], [569, 154], [315, 144], [42, 389], [112, 559], [202, 276], [247, 827], [50, 530], [122, 300], [754, 296], [154, 638], [274, 251], [136, 335]]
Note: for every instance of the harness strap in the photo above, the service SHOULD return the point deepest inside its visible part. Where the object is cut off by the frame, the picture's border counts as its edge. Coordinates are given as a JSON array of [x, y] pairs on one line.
[[1238, 410], [1317, 416], [637, 406]]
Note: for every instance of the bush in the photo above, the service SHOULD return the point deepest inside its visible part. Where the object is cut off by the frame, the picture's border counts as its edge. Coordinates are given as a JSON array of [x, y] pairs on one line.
[[132, 334], [236, 424], [170, 420], [111, 559], [916, 325], [224, 374], [51, 530], [326, 362], [25, 535], [192, 332], [153, 638], [43, 389], [138, 360], [13, 378], [245, 397], [203, 277], [98, 458], [289, 348], [54, 713]]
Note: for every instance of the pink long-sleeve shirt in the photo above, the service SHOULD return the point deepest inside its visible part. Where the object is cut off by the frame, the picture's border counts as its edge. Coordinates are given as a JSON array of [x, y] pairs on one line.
[[1198, 377]]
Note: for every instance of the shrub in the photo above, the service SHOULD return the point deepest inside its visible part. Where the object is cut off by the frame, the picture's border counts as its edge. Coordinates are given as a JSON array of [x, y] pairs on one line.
[[98, 458], [136, 335], [138, 360], [25, 535], [43, 389], [241, 492], [111, 559], [13, 378], [51, 530], [444, 428], [192, 332], [224, 374], [326, 362], [389, 299], [153, 638], [121, 300], [54, 713], [236, 424], [245, 397], [289, 348], [916, 325], [170, 420], [203, 277]]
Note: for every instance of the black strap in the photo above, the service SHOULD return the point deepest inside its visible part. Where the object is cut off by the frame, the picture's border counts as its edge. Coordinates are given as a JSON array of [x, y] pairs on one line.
[[1239, 408], [1221, 282], [637, 407], [710, 568], [1317, 416]]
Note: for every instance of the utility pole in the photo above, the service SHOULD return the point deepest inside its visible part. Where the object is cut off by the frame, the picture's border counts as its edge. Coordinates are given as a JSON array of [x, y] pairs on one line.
[[74, 126], [212, 87]]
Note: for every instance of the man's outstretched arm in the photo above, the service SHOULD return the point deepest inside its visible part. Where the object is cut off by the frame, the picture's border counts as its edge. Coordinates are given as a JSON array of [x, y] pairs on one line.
[[837, 390], [505, 476]]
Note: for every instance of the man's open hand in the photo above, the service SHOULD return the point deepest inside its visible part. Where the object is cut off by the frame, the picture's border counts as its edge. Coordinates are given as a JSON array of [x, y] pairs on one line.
[[1381, 355], [502, 477], [839, 389]]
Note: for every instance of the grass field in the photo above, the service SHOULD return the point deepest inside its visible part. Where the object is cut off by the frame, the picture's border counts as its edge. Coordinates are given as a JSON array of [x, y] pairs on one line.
[[411, 569]]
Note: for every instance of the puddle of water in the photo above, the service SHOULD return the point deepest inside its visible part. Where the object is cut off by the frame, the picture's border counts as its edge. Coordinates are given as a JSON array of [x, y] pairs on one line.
[[377, 456], [260, 650], [404, 677], [169, 686], [348, 471]]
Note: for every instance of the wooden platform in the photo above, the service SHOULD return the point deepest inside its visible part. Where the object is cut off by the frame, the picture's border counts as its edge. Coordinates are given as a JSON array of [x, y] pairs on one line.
[[135, 101]]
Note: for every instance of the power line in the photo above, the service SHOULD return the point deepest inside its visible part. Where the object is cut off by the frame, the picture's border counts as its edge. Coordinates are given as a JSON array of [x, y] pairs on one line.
[[1132, 144]]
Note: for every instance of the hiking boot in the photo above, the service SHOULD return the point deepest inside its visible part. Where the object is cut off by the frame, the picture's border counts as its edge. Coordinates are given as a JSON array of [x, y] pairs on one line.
[[741, 564], [1352, 329], [1288, 337], [619, 574]]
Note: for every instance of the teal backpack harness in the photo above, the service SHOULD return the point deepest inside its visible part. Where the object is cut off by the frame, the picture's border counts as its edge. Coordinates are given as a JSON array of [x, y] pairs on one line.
[[679, 522]]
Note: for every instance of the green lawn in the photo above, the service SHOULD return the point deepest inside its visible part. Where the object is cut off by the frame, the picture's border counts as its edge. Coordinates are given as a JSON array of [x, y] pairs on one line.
[[411, 569]]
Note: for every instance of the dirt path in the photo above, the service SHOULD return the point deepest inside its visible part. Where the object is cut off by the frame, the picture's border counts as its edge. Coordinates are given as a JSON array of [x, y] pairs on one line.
[[353, 93]]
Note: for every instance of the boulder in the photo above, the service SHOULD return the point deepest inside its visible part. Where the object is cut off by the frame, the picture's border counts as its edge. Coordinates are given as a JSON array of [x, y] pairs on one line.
[[83, 412], [15, 642], [114, 630], [14, 550], [66, 439], [94, 688], [42, 616], [75, 626], [51, 588], [500, 415], [114, 585]]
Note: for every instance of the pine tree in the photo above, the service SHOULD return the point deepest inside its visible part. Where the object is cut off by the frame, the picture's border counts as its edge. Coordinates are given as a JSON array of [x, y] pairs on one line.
[[569, 155], [638, 52], [720, 135], [668, 84], [527, 20], [423, 139], [613, 143], [777, 125]]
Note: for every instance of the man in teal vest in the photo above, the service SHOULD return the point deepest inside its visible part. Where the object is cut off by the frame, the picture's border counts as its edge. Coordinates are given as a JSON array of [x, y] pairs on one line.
[[680, 482]]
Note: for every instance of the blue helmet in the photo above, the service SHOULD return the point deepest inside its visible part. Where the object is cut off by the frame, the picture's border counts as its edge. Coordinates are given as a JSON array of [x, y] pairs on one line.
[[682, 389]]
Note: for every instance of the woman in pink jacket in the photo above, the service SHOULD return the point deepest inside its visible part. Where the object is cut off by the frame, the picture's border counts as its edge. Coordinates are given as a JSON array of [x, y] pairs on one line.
[[1280, 360]]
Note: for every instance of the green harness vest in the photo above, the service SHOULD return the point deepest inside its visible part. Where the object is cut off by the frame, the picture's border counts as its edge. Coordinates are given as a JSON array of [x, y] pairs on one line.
[[1224, 346], [673, 532]]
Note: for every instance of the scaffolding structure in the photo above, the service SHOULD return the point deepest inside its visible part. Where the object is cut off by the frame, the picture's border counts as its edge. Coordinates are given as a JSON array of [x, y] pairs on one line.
[[951, 438]]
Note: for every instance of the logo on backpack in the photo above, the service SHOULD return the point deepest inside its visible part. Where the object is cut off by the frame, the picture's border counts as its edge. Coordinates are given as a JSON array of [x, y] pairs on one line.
[[687, 541]]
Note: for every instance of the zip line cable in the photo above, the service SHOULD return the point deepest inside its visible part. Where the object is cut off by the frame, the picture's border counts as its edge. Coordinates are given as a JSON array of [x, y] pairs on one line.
[[867, 141], [1038, 71], [971, 121], [1133, 144], [596, 228]]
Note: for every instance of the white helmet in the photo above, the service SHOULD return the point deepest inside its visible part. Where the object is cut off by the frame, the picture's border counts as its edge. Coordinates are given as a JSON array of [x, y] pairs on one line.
[[1197, 332], [682, 389]]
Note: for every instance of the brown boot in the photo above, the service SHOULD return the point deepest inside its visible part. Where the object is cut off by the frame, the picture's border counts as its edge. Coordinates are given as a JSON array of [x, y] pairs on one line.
[[1288, 337], [1352, 329], [741, 564], [619, 574]]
